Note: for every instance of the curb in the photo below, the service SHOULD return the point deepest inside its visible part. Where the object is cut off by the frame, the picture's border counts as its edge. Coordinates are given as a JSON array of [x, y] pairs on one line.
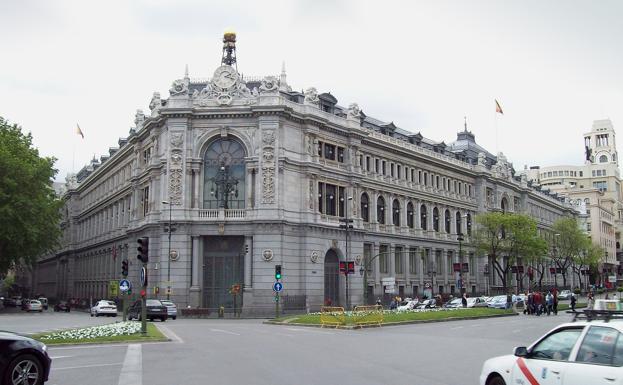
[[355, 327]]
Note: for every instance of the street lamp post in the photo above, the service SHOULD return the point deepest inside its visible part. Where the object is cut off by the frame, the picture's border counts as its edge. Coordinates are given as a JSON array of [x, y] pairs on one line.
[[169, 230], [460, 280], [346, 226]]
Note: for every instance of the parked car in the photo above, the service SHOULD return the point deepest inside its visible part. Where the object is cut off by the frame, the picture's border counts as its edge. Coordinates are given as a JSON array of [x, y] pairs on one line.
[[476, 302], [23, 360], [408, 304], [498, 302], [454, 303], [577, 353], [62, 306], [427, 304], [155, 309], [104, 307], [33, 305], [44, 302], [564, 295], [24, 303], [171, 308], [17, 301], [10, 302]]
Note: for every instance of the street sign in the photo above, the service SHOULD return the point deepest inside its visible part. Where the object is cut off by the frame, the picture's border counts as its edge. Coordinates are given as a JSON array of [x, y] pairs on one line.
[[113, 289], [277, 286], [143, 276], [124, 285]]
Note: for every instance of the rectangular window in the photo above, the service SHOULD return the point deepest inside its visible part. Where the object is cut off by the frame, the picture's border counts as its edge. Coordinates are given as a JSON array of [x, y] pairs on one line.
[[398, 259], [367, 163], [376, 166], [601, 185], [391, 170], [438, 262], [329, 151], [581, 173], [419, 176], [398, 171], [383, 258], [469, 190], [413, 257], [320, 147], [340, 154], [449, 264], [384, 165], [145, 201]]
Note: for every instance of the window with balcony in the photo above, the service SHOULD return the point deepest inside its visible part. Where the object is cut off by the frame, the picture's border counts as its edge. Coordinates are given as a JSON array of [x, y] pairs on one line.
[[423, 223], [365, 209], [380, 210], [224, 174], [396, 212], [435, 219], [410, 215]]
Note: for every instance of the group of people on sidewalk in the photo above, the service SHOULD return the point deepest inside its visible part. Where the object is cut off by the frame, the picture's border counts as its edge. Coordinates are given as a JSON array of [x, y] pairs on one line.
[[541, 302]]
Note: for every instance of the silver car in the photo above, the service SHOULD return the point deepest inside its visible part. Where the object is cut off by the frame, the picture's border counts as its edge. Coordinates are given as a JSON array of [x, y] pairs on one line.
[[171, 308]]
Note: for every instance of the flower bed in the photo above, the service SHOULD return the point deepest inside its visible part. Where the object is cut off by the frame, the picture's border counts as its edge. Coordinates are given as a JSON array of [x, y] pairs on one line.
[[110, 330]]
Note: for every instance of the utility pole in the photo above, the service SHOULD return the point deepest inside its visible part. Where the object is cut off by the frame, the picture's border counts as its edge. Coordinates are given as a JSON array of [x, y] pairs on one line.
[[169, 230], [347, 225]]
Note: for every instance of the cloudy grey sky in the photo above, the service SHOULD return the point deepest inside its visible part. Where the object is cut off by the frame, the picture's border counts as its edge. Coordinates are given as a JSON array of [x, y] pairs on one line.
[[555, 66]]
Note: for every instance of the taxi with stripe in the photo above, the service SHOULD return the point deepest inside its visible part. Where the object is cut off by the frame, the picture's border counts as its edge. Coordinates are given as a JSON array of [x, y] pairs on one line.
[[588, 350]]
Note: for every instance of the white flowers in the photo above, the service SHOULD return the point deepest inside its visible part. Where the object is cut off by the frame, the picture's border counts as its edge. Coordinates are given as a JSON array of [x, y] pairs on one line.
[[110, 330]]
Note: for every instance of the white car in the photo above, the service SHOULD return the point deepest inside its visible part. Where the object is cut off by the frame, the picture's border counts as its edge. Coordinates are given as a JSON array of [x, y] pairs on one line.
[[34, 305], [410, 305], [171, 308], [576, 353], [104, 307]]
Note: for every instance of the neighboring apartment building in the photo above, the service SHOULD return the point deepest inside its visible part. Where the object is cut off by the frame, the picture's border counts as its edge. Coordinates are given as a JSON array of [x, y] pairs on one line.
[[257, 175], [598, 184]]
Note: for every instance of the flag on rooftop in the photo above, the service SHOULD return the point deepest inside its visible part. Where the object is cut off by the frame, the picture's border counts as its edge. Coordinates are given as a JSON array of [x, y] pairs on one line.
[[79, 131], [498, 108]]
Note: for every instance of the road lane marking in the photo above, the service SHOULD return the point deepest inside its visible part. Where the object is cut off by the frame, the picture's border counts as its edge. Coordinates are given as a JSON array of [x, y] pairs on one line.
[[224, 331], [170, 334], [85, 366], [88, 347], [132, 370], [476, 325], [309, 331], [458, 327], [57, 357]]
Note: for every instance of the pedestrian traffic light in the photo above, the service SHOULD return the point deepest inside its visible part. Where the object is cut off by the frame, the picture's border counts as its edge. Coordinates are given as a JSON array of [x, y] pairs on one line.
[[143, 249], [342, 267], [124, 267], [277, 271], [143, 293]]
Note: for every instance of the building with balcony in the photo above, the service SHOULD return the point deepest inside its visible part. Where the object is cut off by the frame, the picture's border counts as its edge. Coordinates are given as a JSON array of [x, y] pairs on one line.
[[255, 175]]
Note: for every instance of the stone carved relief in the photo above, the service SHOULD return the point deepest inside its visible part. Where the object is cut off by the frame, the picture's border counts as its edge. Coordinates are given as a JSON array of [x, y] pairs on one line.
[[177, 139], [311, 96], [502, 169], [176, 157], [175, 186], [270, 85], [226, 88], [179, 87], [139, 119], [312, 197], [354, 111], [156, 103], [314, 256], [267, 255], [482, 159], [268, 167]]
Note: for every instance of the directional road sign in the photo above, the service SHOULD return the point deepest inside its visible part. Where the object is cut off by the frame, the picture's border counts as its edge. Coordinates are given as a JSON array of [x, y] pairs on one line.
[[277, 286], [124, 285]]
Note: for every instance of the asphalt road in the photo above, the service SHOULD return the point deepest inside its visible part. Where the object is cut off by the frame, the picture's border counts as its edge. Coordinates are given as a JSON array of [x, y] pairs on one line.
[[226, 352], [22, 322]]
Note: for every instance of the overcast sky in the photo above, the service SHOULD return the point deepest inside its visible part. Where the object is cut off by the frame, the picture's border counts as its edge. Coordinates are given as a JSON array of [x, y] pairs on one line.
[[555, 66]]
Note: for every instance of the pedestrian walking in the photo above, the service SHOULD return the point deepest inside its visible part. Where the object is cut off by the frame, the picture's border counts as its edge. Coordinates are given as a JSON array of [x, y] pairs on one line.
[[555, 301], [549, 302], [464, 300], [590, 300], [573, 302]]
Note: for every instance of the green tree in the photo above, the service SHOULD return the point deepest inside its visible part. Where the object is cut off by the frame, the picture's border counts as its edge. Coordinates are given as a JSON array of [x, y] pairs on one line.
[[588, 258], [29, 209], [507, 238], [568, 243]]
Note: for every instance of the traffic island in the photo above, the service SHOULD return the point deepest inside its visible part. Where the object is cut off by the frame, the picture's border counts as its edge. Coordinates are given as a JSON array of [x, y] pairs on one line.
[[118, 332], [352, 320]]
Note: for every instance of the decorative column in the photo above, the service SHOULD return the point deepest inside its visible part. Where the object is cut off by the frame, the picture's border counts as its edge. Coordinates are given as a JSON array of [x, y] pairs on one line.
[[194, 299]]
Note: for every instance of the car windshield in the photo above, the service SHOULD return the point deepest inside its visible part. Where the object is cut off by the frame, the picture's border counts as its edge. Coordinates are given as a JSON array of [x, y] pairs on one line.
[[167, 303], [153, 302], [500, 298], [110, 303]]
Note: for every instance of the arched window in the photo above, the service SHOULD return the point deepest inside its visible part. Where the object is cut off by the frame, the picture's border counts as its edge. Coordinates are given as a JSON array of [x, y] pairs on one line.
[[459, 230], [380, 210], [587, 201], [224, 174], [447, 221], [435, 219], [410, 215], [504, 205], [365, 210], [423, 223], [396, 212], [603, 159], [469, 224]]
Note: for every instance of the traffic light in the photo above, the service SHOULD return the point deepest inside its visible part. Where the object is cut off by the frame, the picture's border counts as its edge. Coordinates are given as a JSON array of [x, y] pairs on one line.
[[277, 272], [143, 293], [124, 267], [143, 249]]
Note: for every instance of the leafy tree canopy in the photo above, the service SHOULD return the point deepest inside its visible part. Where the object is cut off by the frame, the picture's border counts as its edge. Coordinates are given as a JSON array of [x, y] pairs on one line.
[[29, 208]]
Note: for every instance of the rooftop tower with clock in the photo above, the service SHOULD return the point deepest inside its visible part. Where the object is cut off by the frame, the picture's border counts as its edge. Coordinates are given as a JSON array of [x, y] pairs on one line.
[[229, 49]]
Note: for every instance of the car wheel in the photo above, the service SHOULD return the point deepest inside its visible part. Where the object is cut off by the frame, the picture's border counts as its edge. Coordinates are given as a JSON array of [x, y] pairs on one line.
[[162, 319], [25, 369], [67, 311], [97, 314], [114, 315], [496, 380], [174, 317], [151, 319], [91, 314]]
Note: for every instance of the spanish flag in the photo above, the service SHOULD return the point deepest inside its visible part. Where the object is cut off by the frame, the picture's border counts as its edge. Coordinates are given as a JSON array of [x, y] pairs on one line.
[[498, 108], [79, 131]]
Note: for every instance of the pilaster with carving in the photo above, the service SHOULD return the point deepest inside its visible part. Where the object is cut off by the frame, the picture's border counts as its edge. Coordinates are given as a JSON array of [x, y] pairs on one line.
[[268, 163], [176, 171]]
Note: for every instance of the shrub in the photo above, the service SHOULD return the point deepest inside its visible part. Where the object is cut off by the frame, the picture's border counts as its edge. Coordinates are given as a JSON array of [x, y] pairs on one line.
[[620, 289], [577, 291], [600, 291]]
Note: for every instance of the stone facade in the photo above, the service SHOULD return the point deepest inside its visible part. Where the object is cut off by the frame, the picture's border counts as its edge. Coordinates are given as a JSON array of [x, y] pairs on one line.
[[257, 175]]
